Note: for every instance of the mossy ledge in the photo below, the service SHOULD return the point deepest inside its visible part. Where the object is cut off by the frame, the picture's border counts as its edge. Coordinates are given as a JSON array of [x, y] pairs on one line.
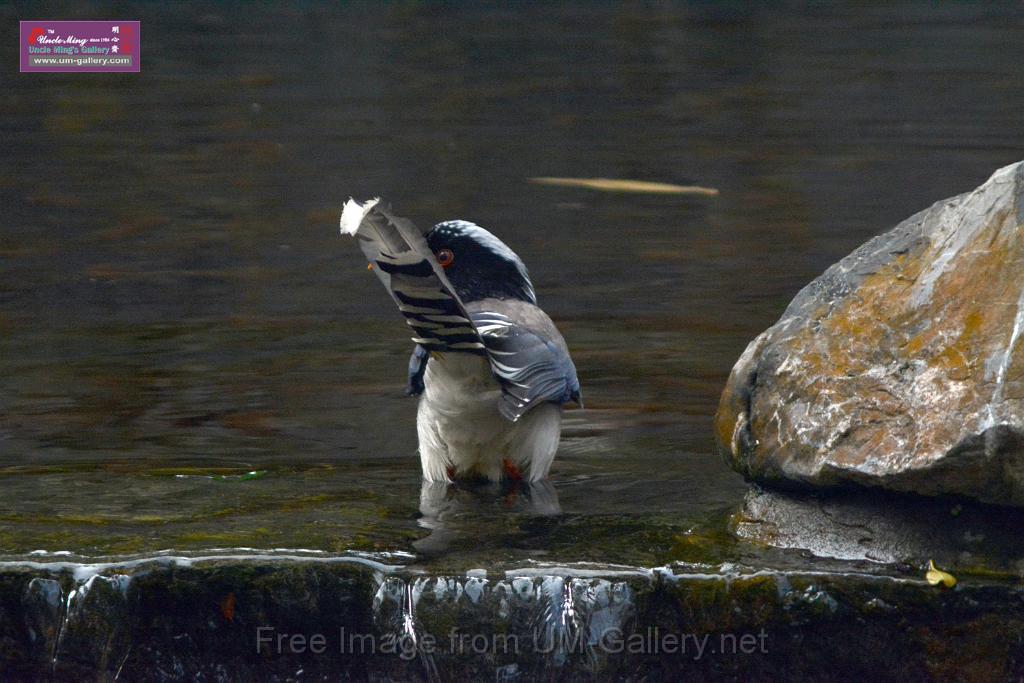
[[221, 619]]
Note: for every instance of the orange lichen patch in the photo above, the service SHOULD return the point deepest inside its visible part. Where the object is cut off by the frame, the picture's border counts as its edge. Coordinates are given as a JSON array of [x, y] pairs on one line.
[[917, 343], [973, 324], [953, 303], [954, 362], [957, 359], [855, 321], [884, 295]]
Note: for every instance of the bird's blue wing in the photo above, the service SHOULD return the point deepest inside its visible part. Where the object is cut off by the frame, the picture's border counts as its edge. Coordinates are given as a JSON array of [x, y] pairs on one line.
[[407, 267], [528, 356]]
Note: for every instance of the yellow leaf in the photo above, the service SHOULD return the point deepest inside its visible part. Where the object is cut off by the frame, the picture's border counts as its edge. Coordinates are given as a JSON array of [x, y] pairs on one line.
[[642, 186], [935, 576]]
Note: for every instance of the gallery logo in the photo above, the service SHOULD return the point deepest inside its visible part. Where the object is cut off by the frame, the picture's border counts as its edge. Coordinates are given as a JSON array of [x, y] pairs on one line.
[[80, 46]]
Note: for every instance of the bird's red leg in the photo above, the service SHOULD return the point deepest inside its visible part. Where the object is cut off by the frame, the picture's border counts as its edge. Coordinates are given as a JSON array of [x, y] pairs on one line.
[[451, 472], [511, 471], [515, 479]]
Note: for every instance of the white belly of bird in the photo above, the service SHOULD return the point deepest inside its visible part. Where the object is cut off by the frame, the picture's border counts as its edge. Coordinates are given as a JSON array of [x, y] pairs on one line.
[[461, 431]]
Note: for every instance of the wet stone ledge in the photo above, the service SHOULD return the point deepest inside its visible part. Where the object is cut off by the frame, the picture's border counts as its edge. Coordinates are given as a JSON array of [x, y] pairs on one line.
[[244, 619]]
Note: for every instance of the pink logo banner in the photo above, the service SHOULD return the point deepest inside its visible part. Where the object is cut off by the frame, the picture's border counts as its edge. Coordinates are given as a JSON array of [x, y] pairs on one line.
[[80, 46]]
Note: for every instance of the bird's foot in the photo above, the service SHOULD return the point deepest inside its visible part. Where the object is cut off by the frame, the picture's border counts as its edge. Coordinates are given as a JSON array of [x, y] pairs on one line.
[[513, 481], [511, 471]]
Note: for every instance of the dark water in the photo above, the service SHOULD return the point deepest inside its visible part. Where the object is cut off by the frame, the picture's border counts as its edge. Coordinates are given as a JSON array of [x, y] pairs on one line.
[[177, 309]]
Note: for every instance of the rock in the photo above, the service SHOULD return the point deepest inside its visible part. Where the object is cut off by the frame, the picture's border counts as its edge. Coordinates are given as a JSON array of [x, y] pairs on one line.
[[902, 366], [43, 604]]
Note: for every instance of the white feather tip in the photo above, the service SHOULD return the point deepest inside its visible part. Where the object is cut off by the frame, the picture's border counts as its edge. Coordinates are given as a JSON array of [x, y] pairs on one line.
[[353, 214]]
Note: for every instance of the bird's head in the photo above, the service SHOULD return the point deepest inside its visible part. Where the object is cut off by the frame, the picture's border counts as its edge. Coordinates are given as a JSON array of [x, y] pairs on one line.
[[478, 264]]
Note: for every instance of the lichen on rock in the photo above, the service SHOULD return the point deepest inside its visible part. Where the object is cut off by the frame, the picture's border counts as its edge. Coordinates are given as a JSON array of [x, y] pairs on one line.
[[902, 366]]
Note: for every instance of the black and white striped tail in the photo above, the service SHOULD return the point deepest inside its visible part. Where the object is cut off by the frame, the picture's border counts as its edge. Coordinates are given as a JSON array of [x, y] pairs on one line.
[[404, 263]]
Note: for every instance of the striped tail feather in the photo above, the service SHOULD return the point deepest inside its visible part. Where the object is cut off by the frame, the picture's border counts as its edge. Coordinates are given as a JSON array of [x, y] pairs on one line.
[[407, 267]]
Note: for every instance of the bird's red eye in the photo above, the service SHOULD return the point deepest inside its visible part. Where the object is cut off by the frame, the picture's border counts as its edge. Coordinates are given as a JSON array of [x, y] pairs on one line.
[[445, 257]]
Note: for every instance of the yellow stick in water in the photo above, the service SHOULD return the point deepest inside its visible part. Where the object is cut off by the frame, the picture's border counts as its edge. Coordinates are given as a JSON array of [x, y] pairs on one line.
[[641, 186]]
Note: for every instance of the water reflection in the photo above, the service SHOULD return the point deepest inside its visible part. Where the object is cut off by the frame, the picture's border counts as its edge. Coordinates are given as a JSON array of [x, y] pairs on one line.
[[452, 512]]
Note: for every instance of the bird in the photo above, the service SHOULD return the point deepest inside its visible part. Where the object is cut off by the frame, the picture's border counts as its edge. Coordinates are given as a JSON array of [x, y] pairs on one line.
[[490, 368]]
